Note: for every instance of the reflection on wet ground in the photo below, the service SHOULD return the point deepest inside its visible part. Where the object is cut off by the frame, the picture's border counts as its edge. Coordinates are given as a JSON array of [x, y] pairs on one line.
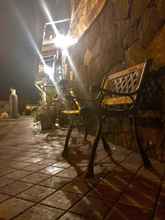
[[37, 183]]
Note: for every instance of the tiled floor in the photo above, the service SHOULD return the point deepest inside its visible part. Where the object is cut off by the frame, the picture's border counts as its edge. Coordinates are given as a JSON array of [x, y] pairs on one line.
[[37, 183]]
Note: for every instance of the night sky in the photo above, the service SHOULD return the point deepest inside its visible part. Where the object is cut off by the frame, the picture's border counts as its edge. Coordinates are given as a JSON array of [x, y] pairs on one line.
[[18, 60]]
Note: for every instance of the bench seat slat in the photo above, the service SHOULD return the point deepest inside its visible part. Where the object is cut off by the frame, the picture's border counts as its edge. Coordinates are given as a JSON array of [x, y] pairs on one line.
[[71, 112], [110, 101]]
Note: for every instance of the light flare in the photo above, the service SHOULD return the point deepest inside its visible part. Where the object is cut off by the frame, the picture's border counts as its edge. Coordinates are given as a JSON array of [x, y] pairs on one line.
[[48, 72], [46, 10], [63, 42], [73, 67]]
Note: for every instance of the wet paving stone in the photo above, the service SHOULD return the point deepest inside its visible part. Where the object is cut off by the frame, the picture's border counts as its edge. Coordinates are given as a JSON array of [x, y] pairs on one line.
[[15, 188], [78, 185], [72, 216], [62, 199], [138, 199], [141, 184], [141, 193], [123, 212], [161, 200], [5, 181], [4, 171], [160, 209], [107, 191], [159, 213], [91, 208], [150, 174], [131, 166], [118, 179], [40, 212], [12, 207], [70, 173], [3, 197], [46, 162], [36, 193], [19, 165], [51, 170], [34, 160], [35, 178], [34, 167], [36, 182], [62, 164], [18, 174], [55, 182]]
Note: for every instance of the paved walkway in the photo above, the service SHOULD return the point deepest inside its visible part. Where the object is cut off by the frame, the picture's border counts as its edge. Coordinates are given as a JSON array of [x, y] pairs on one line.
[[36, 183]]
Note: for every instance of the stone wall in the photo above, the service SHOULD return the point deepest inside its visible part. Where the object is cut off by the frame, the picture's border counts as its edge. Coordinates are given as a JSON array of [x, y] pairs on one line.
[[125, 33], [74, 4], [118, 38]]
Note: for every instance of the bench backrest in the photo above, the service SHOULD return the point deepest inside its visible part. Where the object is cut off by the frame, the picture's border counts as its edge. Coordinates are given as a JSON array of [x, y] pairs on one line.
[[125, 82]]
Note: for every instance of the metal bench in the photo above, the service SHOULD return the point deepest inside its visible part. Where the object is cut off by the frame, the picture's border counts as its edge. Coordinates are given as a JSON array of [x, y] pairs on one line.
[[119, 94], [75, 119]]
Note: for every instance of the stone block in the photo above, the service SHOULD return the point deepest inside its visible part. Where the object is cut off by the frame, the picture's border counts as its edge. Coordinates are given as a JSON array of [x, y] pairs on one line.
[[137, 8], [161, 8], [135, 54], [130, 38], [96, 48], [92, 35], [120, 66], [122, 28], [157, 48], [120, 9], [150, 24]]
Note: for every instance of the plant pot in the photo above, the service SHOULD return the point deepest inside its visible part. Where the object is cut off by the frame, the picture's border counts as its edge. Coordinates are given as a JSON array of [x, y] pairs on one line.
[[46, 123]]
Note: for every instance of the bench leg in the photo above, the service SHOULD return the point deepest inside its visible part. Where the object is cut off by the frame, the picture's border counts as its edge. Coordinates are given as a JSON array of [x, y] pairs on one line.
[[106, 145], [146, 161], [65, 151], [85, 134], [90, 169], [161, 147]]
